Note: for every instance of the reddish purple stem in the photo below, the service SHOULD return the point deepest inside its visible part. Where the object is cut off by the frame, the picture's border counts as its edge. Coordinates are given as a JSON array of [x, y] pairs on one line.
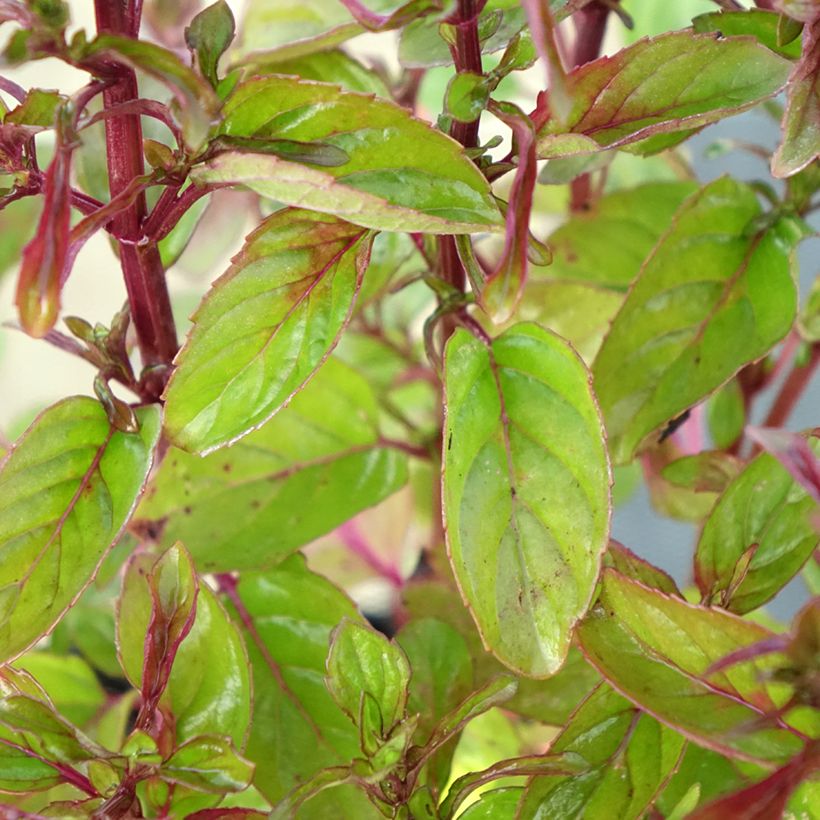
[[353, 538]]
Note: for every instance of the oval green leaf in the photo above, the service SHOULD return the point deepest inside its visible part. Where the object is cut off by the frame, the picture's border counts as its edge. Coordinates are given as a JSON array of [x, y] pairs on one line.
[[401, 174], [265, 327], [703, 305], [362, 661], [763, 513], [309, 469], [657, 650], [526, 491], [676, 82], [67, 490]]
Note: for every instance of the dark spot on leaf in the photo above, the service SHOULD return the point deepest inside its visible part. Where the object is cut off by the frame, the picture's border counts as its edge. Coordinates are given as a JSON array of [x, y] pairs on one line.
[[187, 510], [256, 504]]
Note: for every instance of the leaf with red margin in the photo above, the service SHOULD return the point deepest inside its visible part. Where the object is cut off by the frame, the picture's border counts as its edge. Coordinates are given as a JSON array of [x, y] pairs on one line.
[[67, 488], [526, 491], [800, 144], [630, 754], [763, 520], [793, 452], [265, 327], [45, 257], [657, 651], [675, 82], [397, 18], [505, 285], [168, 647], [619, 558]]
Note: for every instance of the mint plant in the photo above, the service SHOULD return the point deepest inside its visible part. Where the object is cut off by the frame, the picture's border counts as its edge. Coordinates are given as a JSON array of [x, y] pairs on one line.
[[438, 361]]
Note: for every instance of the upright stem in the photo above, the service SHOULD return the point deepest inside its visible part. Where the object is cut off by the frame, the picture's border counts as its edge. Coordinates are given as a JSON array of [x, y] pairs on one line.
[[791, 391], [467, 57], [140, 260], [590, 26]]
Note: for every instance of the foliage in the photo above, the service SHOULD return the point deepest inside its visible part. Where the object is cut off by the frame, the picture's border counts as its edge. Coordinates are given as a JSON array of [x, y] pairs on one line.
[[402, 383]]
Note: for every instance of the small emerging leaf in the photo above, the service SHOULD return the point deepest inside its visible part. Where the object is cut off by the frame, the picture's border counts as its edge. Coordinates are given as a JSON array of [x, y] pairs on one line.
[[364, 662], [209, 36]]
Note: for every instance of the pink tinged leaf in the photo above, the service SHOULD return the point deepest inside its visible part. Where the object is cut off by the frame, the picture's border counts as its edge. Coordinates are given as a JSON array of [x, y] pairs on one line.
[[545, 37], [174, 588], [505, 285], [800, 143], [793, 452], [398, 18], [46, 255], [766, 799], [676, 82]]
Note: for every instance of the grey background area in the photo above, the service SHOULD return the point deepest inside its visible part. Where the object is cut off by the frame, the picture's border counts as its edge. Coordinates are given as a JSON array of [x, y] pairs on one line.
[[669, 543]]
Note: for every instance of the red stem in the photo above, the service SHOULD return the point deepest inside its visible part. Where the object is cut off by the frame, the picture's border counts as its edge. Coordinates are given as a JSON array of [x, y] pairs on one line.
[[792, 389], [590, 27], [141, 265]]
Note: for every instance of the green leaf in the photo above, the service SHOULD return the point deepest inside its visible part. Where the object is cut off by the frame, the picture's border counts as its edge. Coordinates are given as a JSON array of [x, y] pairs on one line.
[[579, 312], [636, 569], [18, 221], [701, 775], [626, 225], [495, 804], [726, 414], [675, 82], [39, 109], [702, 307], [526, 491], [197, 101], [442, 669], [422, 44], [287, 615], [208, 690], [69, 682], [209, 36], [34, 725], [765, 511], [497, 691], [363, 662], [630, 757], [315, 465], [467, 96], [547, 701], [755, 22], [709, 471], [656, 650], [808, 323], [800, 144], [285, 29], [209, 764], [442, 678], [334, 66], [67, 489], [401, 175], [264, 328]]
